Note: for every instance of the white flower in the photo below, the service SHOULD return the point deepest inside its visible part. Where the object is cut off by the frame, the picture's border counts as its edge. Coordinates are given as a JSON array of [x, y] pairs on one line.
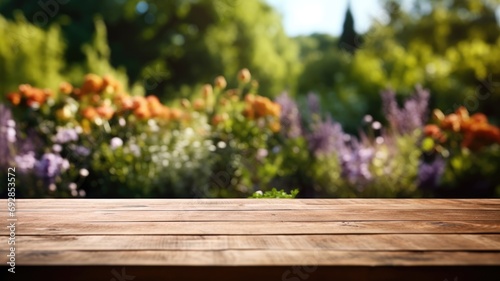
[[84, 172], [11, 134], [115, 143]]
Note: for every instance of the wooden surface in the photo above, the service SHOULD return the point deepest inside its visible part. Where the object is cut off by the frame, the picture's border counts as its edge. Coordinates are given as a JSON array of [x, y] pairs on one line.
[[371, 239]]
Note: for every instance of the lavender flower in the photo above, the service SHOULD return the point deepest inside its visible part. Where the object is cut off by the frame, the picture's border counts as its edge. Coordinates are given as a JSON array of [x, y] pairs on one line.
[[25, 162], [290, 116], [81, 150], [51, 165], [411, 116], [313, 103], [65, 135], [355, 161], [429, 173], [326, 137]]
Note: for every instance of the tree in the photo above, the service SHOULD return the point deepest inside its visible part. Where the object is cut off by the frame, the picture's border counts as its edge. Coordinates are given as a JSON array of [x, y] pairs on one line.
[[349, 40], [171, 45]]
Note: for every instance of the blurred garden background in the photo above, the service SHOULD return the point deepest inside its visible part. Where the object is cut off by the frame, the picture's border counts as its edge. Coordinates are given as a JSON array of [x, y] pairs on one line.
[[214, 98]]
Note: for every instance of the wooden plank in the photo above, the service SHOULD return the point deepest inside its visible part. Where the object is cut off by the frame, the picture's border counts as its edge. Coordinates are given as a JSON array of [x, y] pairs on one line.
[[257, 204], [270, 215], [256, 258], [385, 242], [264, 273], [252, 228]]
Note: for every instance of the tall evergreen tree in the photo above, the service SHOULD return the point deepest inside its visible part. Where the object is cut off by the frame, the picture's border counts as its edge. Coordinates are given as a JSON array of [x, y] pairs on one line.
[[349, 40]]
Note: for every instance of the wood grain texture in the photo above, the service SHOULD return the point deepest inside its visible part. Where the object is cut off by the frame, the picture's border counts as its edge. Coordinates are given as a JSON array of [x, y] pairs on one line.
[[342, 242], [259, 258], [260, 204], [269, 234]]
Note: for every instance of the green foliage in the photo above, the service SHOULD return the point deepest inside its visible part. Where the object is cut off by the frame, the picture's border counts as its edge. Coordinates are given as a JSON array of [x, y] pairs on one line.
[[449, 47], [172, 45], [29, 54], [273, 193]]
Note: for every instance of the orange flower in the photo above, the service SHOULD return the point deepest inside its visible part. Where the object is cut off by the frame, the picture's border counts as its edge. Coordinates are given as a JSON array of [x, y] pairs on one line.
[[139, 101], [220, 82], [142, 112], [244, 75], [260, 106], [124, 102], [249, 113], [95, 98], [92, 83], [65, 88], [105, 112], [207, 91], [479, 118], [154, 105], [37, 96], [152, 100], [14, 98], [165, 113], [451, 122], [109, 84], [276, 110], [432, 130], [198, 105], [156, 110], [250, 98], [25, 90], [175, 114], [480, 134], [217, 119], [89, 113], [275, 126]]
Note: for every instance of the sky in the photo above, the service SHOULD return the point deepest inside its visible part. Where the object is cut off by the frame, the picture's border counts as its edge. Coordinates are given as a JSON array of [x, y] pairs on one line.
[[302, 17]]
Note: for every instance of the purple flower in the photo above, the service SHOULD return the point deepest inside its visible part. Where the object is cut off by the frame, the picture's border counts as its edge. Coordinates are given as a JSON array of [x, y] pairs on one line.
[[429, 173], [290, 116], [65, 135], [355, 161], [50, 166], [313, 103], [81, 150], [411, 116], [25, 162], [326, 137]]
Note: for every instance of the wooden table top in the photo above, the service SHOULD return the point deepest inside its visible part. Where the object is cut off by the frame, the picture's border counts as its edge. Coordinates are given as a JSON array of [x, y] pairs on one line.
[[446, 238]]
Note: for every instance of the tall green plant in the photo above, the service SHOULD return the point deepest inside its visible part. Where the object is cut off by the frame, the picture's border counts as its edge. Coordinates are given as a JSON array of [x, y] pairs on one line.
[[29, 54]]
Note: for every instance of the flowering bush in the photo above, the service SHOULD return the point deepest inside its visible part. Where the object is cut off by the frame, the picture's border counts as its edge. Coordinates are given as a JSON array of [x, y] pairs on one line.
[[462, 155], [97, 140]]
